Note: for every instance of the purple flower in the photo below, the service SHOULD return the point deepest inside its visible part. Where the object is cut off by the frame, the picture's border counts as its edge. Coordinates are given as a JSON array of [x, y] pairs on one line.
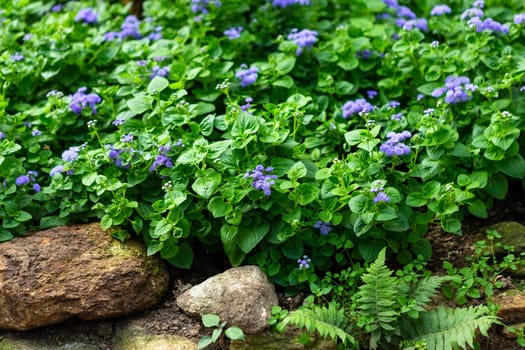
[[71, 154], [262, 180], [162, 159], [479, 4], [371, 93], [472, 13], [391, 3], [36, 187], [304, 262], [36, 132], [27, 37], [142, 63], [17, 56], [202, 6], [87, 15], [419, 23], [2, 136], [130, 28], [56, 170], [324, 227], [403, 11], [248, 105], [118, 122], [111, 36], [381, 197], [440, 10], [247, 76], [456, 89], [420, 97], [364, 54], [428, 111], [394, 145], [522, 88], [127, 138], [393, 104], [285, 3], [233, 33], [519, 18], [358, 106], [304, 39], [57, 8], [397, 116], [157, 71], [82, 100], [22, 180], [434, 44]]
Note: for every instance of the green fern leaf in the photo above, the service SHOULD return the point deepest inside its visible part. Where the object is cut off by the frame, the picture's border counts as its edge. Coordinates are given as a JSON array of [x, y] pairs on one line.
[[377, 301], [327, 322], [424, 290], [446, 329]]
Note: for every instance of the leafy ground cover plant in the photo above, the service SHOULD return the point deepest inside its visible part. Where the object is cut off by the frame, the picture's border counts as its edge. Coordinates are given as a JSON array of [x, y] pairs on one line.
[[297, 135]]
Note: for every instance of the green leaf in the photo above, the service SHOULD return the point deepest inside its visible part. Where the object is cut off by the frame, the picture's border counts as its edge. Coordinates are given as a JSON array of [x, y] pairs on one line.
[[206, 184], [356, 136], [497, 186], [343, 87], [245, 125], [218, 207], [157, 84], [451, 225], [285, 82], [512, 166], [293, 249], [139, 104], [369, 249], [359, 203], [478, 208], [249, 236], [184, 257], [106, 222], [211, 320], [5, 236], [305, 193], [204, 342], [416, 199], [422, 247], [284, 64], [297, 171], [234, 333]]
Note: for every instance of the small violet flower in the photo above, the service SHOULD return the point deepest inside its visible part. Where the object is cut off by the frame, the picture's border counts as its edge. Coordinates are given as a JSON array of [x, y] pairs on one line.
[[17, 56], [262, 179], [81, 100], [304, 262], [233, 33], [358, 106], [519, 19], [394, 145], [440, 10], [304, 39], [157, 71], [248, 105], [324, 227], [247, 76], [56, 170], [381, 197], [87, 15], [456, 89], [71, 154], [202, 6], [162, 159], [286, 3]]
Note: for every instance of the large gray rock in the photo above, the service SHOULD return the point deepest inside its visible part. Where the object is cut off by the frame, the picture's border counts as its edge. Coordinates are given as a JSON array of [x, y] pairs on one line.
[[81, 271], [241, 296]]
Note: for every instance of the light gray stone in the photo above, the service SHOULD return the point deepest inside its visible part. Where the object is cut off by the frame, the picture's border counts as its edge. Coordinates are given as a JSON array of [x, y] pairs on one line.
[[241, 296]]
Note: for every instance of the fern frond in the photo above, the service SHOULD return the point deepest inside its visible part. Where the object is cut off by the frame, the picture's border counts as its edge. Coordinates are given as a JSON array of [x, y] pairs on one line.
[[327, 322], [377, 301], [424, 290], [446, 328]]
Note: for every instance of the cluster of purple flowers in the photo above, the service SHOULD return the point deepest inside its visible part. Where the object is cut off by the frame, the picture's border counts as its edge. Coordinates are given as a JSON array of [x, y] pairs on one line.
[[2, 136], [324, 227], [17, 56], [304, 262], [162, 158], [519, 18], [201, 6], [131, 29], [116, 156], [440, 10], [394, 145], [285, 3], [248, 105], [262, 180], [29, 178], [358, 106], [305, 39], [87, 15], [474, 16], [82, 100], [71, 154], [381, 196], [407, 19], [157, 71], [248, 76], [233, 33], [456, 89]]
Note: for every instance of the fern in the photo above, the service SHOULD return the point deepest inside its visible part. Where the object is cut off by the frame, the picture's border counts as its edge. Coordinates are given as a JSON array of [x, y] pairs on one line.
[[327, 322], [378, 301], [446, 329], [424, 290]]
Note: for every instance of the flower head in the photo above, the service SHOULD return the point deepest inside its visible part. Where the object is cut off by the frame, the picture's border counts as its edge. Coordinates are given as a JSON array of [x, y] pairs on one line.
[[262, 179], [87, 15], [381, 197], [440, 10], [286, 3], [247, 76], [456, 89], [519, 18], [81, 100], [56, 170], [304, 39], [17, 56], [71, 154], [394, 145], [358, 106], [157, 71], [304, 262], [324, 227], [233, 33]]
